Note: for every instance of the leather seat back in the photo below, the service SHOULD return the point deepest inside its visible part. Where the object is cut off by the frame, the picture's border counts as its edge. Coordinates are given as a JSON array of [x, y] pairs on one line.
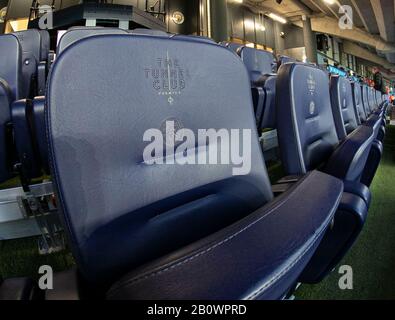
[[235, 47], [372, 105], [10, 64], [5, 101], [365, 99], [77, 33], [285, 59], [342, 106], [45, 45], [10, 89], [261, 65], [268, 82], [258, 62], [30, 41], [358, 103], [305, 124], [119, 211]]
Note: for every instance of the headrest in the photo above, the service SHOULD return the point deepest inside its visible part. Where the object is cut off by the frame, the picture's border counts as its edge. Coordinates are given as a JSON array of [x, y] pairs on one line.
[[257, 62], [121, 211], [10, 64], [305, 126], [77, 33], [45, 45], [30, 41], [342, 106]]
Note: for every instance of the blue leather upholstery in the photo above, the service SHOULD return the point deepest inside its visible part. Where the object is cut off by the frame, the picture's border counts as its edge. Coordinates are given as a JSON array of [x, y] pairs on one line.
[[10, 64], [358, 103], [77, 33], [342, 106], [349, 221], [258, 62], [38, 123], [30, 42], [212, 186], [5, 100], [261, 65], [10, 89], [306, 132], [349, 159], [234, 47], [45, 42], [308, 140], [241, 275], [121, 213], [25, 138], [285, 59], [268, 83]]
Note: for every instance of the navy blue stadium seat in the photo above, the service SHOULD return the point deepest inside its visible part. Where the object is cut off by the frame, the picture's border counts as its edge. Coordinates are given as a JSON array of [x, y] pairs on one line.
[[158, 232], [235, 47], [375, 123], [346, 122], [77, 33], [373, 119], [44, 64], [10, 89], [30, 42], [284, 59], [261, 66], [342, 106], [358, 103], [308, 140]]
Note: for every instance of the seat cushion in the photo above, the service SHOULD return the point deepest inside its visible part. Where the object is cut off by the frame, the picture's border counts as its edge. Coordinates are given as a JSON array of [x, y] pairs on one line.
[[249, 260]]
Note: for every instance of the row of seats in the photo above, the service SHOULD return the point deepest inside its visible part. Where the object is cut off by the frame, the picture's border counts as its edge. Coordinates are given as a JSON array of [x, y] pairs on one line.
[[139, 231], [335, 126]]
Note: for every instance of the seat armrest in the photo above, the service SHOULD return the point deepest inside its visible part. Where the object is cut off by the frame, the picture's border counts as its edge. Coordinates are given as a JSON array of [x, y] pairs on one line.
[[250, 259], [349, 158]]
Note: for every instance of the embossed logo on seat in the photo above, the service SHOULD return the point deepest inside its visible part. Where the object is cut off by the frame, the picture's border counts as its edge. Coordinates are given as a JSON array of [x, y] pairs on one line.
[[312, 107], [168, 77], [311, 84]]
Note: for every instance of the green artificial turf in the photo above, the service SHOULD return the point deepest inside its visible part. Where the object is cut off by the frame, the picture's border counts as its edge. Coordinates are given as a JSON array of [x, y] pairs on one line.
[[372, 257], [20, 258]]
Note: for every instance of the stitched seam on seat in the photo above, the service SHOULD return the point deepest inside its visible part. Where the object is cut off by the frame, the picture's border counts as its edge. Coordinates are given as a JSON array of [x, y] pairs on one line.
[[266, 285], [187, 260]]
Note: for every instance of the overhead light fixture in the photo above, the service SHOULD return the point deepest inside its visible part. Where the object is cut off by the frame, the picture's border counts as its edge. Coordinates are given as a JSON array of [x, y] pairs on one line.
[[277, 18], [329, 1], [237, 1]]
